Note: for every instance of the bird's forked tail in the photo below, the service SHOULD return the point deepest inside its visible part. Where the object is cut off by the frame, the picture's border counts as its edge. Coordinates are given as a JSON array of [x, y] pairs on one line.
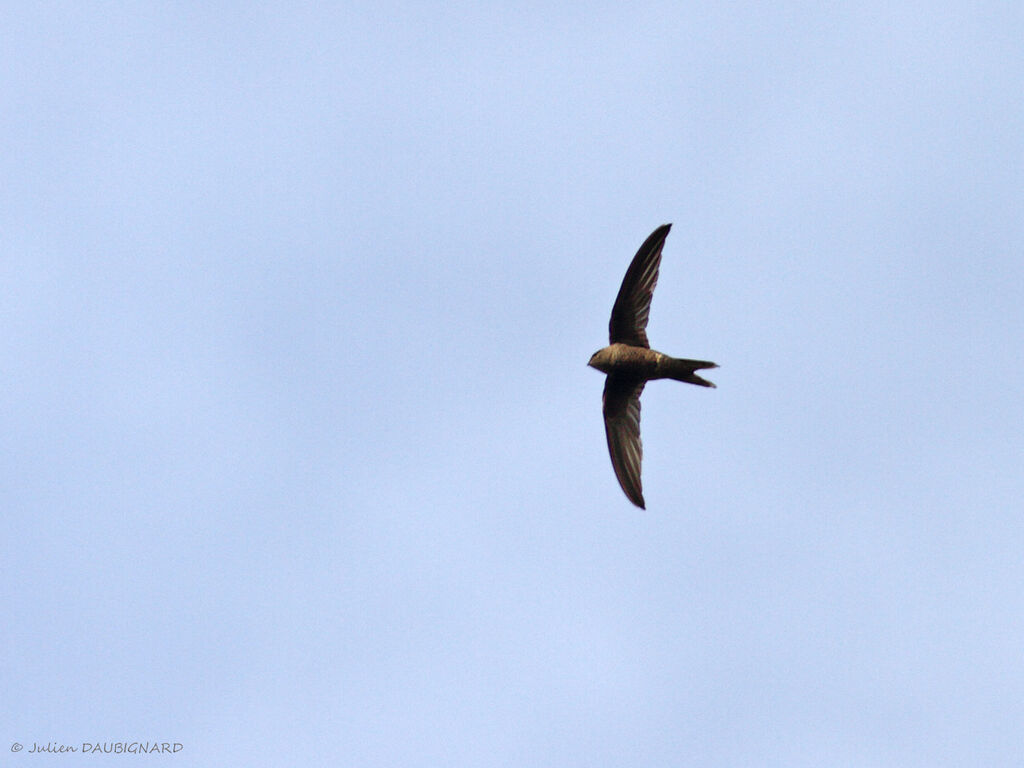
[[684, 370]]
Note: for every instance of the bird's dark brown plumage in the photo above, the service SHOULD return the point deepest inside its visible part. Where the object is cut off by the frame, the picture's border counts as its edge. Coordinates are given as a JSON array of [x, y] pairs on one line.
[[633, 304], [621, 403], [629, 363]]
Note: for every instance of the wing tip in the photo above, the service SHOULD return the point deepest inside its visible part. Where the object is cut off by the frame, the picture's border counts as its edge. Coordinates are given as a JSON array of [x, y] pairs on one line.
[[636, 497], [661, 232]]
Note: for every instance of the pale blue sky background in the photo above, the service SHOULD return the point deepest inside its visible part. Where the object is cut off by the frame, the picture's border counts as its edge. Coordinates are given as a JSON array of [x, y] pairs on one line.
[[300, 459]]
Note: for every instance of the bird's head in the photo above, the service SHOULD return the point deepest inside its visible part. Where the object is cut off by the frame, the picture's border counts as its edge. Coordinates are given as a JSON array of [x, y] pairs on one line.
[[601, 360]]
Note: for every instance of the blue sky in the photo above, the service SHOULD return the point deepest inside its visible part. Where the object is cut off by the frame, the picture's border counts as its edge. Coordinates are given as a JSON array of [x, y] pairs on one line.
[[301, 459]]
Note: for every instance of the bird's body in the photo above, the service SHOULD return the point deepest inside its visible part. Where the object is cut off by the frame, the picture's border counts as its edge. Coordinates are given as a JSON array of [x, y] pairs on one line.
[[646, 364], [630, 363]]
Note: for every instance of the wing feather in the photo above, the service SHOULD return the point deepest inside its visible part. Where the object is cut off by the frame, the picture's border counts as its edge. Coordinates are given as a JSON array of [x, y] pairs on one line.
[[622, 428], [633, 304]]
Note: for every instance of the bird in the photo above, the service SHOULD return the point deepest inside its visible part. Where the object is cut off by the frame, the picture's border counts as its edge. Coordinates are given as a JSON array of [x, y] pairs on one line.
[[630, 363]]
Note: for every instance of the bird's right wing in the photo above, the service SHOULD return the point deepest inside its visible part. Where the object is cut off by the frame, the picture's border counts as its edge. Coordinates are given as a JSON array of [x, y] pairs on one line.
[[633, 304], [622, 428]]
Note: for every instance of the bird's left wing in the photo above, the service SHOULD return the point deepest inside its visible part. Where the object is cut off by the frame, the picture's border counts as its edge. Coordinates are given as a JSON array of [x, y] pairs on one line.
[[622, 428]]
